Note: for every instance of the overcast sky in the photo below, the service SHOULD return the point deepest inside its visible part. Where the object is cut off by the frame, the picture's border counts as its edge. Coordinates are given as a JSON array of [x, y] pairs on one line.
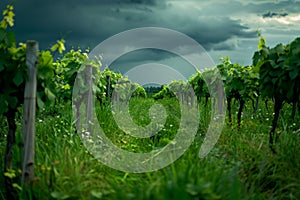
[[223, 28]]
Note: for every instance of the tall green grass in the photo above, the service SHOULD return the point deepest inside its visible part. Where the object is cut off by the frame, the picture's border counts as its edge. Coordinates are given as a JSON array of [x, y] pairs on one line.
[[240, 166]]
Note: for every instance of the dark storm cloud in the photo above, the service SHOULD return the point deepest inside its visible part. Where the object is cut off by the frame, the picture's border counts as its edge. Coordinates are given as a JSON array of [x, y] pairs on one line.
[[216, 25], [274, 14], [217, 30], [78, 21], [89, 23]]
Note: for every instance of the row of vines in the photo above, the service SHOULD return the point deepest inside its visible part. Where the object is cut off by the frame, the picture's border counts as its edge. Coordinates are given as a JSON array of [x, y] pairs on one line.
[[274, 76]]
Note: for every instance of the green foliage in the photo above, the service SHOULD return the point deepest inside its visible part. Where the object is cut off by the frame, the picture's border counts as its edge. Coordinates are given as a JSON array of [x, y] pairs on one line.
[[241, 82], [199, 85], [165, 92], [261, 43], [8, 17], [279, 78], [59, 46], [13, 76], [139, 91], [279, 71], [13, 70], [66, 69], [212, 79], [102, 84], [119, 85], [179, 88], [75, 65], [46, 86]]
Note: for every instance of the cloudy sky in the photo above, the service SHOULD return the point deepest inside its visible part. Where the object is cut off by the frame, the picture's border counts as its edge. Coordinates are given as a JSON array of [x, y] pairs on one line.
[[223, 28]]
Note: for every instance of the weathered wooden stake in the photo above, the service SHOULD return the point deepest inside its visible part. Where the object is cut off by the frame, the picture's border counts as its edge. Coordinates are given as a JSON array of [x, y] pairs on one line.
[[108, 88], [29, 113], [220, 98], [89, 99]]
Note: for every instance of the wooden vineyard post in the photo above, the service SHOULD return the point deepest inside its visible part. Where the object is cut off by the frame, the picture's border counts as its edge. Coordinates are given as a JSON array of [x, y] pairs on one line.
[[89, 99], [108, 88], [220, 98], [192, 98], [29, 113]]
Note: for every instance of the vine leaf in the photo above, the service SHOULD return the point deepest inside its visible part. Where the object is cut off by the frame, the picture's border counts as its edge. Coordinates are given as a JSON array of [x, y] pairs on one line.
[[18, 79], [60, 46], [49, 94]]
